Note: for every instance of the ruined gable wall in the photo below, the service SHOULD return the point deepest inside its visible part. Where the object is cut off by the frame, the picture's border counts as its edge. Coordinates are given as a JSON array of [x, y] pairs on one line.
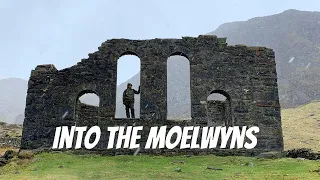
[[246, 74]]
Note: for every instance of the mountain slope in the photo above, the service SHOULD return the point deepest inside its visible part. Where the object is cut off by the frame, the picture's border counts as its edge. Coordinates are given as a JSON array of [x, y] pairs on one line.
[[294, 36], [301, 126], [13, 93]]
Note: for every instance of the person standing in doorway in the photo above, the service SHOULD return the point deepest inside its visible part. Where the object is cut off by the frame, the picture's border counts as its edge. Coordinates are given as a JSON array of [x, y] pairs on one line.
[[128, 99]]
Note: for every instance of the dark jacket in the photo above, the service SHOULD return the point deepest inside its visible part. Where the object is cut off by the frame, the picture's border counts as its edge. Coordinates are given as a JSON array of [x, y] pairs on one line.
[[128, 95]]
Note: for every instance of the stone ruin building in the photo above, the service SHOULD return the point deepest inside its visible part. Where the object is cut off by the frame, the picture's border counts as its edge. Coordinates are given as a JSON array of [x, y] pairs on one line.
[[245, 76]]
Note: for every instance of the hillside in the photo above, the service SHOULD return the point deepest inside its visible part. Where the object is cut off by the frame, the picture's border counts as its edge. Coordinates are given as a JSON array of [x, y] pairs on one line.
[[294, 36], [301, 126], [13, 92]]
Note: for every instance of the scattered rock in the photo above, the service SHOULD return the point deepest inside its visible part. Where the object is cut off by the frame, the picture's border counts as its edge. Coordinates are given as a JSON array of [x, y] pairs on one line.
[[179, 162], [300, 159], [177, 169], [25, 154], [271, 155], [214, 168], [303, 153], [306, 142], [3, 161], [9, 154], [251, 164], [237, 174]]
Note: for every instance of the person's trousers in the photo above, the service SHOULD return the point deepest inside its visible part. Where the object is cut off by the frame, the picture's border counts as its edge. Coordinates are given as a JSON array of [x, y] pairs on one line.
[[130, 105]]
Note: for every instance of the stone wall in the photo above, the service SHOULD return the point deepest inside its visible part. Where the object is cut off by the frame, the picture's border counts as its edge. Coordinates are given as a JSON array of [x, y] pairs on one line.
[[246, 75]]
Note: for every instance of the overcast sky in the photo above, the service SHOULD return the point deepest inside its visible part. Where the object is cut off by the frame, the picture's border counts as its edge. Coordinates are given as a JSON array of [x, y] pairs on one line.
[[62, 32]]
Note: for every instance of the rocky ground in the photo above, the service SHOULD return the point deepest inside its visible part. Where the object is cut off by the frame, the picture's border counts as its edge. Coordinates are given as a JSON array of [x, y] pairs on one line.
[[10, 136]]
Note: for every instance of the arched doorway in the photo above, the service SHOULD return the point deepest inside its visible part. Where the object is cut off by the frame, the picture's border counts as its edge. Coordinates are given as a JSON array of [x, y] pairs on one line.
[[128, 71], [219, 109], [178, 87]]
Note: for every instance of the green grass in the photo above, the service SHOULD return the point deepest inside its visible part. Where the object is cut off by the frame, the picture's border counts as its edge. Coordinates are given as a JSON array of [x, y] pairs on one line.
[[70, 166], [300, 128]]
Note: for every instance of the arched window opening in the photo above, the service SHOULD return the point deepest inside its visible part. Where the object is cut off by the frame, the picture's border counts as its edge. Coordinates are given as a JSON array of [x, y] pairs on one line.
[[219, 109], [128, 71], [216, 97], [87, 109], [90, 99], [178, 88]]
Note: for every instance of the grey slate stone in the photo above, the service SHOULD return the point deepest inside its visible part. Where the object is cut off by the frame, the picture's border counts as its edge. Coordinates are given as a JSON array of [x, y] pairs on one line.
[[246, 76]]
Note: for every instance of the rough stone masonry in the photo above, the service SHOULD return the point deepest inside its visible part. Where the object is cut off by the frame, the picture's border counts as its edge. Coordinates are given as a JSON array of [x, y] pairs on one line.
[[245, 76]]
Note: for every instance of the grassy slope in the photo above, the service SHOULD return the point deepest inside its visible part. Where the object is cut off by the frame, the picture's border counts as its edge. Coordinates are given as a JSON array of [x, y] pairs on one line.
[[68, 166], [301, 126]]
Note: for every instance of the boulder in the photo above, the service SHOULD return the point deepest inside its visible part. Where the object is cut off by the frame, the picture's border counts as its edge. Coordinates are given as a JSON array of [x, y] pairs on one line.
[[303, 153], [9, 154], [25, 154], [271, 155], [3, 161]]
